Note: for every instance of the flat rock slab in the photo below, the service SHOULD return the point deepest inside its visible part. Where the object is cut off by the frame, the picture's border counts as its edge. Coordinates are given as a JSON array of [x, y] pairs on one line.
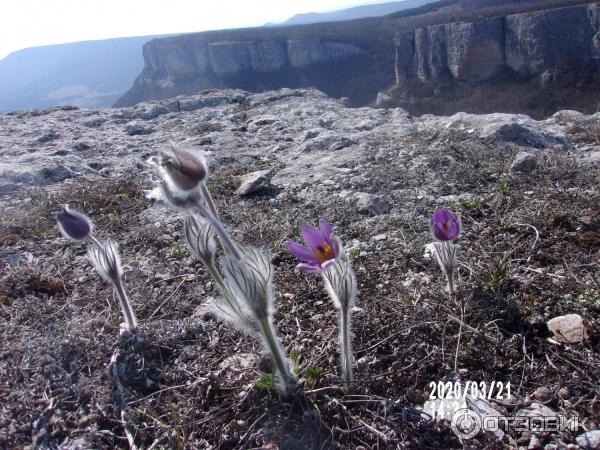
[[254, 183]]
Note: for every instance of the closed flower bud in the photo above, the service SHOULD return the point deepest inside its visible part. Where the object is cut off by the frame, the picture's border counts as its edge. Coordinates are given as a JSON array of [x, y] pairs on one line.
[[445, 226], [73, 224], [184, 170]]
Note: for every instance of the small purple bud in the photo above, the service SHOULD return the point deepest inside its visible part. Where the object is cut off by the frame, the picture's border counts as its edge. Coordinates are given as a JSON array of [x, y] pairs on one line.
[[185, 169], [445, 226], [73, 224]]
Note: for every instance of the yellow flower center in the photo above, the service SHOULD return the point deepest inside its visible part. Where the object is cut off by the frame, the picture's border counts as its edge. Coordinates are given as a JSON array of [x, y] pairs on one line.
[[324, 252]]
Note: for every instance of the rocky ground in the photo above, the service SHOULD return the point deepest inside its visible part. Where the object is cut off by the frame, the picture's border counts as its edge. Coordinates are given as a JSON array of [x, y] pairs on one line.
[[528, 196]]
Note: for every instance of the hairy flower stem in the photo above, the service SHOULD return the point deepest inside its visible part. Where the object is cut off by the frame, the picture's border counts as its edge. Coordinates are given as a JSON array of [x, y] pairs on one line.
[[224, 288], [226, 240], [209, 200], [346, 347], [286, 377], [450, 279], [128, 313], [117, 282], [95, 241]]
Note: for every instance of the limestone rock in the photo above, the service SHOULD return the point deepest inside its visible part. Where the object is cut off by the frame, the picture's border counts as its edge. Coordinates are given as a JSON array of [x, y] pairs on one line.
[[48, 135], [254, 183], [530, 43], [171, 63], [370, 203], [568, 328], [509, 128], [524, 162], [589, 440], [536, 409], [137, 128], [240, 361], [383, 99], [543, 394]]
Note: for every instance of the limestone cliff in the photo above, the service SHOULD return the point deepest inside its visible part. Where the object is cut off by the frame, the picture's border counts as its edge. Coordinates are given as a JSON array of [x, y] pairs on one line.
[[188, 64], [453, 40], [529, 44]]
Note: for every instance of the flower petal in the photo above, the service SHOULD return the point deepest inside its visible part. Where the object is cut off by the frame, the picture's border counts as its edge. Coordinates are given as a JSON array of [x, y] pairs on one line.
[[326, 264], [311, 268], [300, 251], [441, 215], [439, 233], [311, 235], [325, 229]]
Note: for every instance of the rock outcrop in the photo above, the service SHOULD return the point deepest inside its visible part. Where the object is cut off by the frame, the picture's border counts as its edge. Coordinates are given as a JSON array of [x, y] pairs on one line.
[[312, 137], [458, 40], [191, 63], [529, 44]]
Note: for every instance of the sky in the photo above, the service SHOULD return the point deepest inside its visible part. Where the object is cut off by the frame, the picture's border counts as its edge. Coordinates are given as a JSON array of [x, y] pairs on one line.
[[31, 23]]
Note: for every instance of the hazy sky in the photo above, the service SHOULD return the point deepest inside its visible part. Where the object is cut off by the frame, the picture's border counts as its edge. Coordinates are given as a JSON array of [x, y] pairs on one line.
[[30, 23]]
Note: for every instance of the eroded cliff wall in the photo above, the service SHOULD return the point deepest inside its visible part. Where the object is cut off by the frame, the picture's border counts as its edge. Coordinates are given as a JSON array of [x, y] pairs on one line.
[[188, 64], [529, 44]]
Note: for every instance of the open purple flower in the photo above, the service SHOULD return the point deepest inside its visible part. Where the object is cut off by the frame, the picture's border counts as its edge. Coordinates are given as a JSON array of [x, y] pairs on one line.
[[445, 226], [321, 250]]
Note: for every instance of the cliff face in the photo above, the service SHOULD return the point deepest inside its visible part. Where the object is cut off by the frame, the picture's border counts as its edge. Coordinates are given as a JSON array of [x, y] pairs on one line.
[[529, 44], [465, 41], [188, 64]]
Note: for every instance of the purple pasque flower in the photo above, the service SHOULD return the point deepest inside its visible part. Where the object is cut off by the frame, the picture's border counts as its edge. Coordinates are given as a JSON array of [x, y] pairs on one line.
[[321, 250], [445, 226]]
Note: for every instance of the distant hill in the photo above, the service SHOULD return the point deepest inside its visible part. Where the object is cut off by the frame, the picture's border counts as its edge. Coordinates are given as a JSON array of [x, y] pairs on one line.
[[357, 12], [90, 73]]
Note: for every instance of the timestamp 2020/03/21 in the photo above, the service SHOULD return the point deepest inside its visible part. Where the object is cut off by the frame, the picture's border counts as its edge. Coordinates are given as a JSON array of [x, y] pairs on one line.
[[456, 390]]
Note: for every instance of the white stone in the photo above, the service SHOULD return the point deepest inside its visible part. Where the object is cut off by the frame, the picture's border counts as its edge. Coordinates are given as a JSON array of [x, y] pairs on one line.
[[254, 183], [524, 162], [589, 440], [568, 328]]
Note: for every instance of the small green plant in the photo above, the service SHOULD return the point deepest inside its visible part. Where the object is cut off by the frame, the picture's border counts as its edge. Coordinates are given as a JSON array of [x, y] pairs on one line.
[[496, 274], [179, 253], [260, 162], [295, 360], [296, 230], [502, 184], [470, 204], [354, 254], [265, 381], [313, 375]]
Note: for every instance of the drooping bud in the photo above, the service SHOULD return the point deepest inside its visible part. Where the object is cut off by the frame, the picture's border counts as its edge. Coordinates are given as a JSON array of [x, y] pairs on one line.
[[184, 170], [73, 224]]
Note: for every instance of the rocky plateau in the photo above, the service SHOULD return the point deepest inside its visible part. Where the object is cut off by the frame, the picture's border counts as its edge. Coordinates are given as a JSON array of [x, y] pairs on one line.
[[528, 195], [316, 143]]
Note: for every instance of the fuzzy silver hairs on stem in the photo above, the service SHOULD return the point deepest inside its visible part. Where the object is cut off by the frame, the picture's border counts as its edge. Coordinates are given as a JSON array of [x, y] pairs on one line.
[[340, 283], [104, 255], [445, 228], [324, 254], [246, 300]]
